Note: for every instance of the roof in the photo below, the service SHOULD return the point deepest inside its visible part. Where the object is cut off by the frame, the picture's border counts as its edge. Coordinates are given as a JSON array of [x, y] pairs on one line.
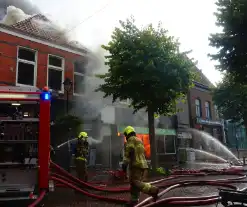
[[32, 27], [202, 79]]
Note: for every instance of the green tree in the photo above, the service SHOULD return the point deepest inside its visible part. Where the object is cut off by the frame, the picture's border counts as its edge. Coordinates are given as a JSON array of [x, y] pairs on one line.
[[232, 51], [146, 66], [231, 100]]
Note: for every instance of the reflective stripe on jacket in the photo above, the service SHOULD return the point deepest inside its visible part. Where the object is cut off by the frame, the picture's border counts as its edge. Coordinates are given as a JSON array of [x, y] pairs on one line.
[[81, 158], [81, 150], [134, 153]]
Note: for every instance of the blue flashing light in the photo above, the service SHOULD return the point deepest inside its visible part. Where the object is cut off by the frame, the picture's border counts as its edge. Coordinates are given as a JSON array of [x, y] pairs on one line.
[[46, 96]]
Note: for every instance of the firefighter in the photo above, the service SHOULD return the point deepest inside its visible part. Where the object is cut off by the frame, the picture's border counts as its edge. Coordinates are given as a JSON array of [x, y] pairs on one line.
[[81, 154], [134, 156]]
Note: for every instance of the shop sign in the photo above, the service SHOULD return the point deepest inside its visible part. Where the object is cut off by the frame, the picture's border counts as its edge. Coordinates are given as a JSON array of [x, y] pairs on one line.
[[143, 130], [208, 122], [184, 135]]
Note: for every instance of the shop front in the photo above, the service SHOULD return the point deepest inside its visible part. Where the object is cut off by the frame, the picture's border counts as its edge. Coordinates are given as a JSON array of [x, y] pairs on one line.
[[165, 139], [214, 128]]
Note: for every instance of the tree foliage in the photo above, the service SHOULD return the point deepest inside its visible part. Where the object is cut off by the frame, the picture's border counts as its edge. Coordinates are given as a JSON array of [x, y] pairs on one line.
[[231, 42], [146, 66], [231, 100]]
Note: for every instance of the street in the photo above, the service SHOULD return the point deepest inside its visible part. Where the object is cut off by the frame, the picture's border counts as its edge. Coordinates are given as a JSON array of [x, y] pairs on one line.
[[66, 197]]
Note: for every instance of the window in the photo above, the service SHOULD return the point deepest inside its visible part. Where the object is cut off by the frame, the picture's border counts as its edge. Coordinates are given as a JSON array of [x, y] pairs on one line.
[[79, 77], [26, 67], [166, 144], [207, 109], [55, 72], [198, 108]]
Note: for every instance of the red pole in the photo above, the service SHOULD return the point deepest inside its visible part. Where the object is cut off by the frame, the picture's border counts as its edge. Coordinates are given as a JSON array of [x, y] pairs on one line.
[[44, 144]]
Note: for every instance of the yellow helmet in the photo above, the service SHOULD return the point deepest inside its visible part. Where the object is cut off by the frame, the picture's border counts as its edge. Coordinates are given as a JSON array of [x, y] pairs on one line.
[[128, 130], [82, 135]]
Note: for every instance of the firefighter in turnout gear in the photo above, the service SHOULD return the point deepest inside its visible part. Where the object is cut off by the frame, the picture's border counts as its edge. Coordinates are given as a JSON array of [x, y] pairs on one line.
[[81, 156], [134, 156]]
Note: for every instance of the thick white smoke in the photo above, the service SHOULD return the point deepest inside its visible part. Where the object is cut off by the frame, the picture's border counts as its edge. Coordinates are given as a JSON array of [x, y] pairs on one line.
[[14, 15], [25, 5], [55, 31], [91, 103]]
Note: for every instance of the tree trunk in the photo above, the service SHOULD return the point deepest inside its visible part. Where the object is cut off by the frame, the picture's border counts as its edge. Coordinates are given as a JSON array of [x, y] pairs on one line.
[[152, 138]]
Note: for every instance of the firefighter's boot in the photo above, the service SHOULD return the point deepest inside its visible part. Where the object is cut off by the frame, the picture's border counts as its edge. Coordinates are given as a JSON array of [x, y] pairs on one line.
[[154, 193]]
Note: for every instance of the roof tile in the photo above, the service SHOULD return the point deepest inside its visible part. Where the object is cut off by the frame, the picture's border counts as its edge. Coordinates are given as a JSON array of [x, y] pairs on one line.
[[32, 27]]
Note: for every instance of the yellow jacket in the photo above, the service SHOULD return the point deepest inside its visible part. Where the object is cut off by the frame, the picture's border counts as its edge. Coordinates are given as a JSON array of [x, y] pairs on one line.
[[134, 153]]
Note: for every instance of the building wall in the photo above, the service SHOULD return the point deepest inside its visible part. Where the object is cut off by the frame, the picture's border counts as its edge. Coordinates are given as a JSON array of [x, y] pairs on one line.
[[8, 58], [211, 125], [183, 116], [204, 96]]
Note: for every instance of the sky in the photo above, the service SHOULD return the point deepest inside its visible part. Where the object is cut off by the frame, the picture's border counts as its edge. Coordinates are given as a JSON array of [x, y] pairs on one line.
[[92, 22]]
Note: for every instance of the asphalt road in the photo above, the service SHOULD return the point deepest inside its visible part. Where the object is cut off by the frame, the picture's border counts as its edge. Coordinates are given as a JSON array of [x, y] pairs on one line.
[[66, 197]]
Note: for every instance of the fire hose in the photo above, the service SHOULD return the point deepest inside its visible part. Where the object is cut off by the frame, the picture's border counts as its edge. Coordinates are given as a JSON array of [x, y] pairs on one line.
[[66, 179], [38, 200]]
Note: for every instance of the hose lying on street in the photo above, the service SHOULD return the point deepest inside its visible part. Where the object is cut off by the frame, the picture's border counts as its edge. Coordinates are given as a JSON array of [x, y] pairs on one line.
[[63, 178], [93, 187], [103, 198]]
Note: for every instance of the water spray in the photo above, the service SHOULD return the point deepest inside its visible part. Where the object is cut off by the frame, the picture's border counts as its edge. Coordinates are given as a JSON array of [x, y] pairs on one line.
[[205, 136], [208, 154]]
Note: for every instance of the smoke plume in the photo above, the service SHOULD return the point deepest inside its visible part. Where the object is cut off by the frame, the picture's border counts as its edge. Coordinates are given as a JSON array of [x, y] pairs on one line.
[[91, 104], [56, 32], [25, 5]]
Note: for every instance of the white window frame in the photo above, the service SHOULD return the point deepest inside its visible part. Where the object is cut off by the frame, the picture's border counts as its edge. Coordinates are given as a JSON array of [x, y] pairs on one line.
[[126, 102], [198, 107], [166, 153], [207, 110], [27, 62], [79, 74], [56, 68]]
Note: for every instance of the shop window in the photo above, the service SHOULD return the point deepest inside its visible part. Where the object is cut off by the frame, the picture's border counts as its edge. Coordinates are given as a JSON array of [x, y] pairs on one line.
[[198, 108], [170, 146], [79, 77], [166, 144], [26, 67], [55, 72], [207, 110]]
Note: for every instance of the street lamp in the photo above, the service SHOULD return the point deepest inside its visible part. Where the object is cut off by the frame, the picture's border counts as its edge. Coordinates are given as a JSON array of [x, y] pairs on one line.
[[67, 87]]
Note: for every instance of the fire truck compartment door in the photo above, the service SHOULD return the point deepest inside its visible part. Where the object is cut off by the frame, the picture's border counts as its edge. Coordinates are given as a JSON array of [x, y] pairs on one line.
[[15, 192]]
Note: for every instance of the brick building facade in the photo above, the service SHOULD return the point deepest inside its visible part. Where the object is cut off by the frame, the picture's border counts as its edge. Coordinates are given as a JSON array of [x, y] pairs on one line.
[[203, 113], [31, 57]]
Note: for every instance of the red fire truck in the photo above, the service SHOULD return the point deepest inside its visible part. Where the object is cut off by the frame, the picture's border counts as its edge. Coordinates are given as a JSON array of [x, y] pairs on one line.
[[24, 142]]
